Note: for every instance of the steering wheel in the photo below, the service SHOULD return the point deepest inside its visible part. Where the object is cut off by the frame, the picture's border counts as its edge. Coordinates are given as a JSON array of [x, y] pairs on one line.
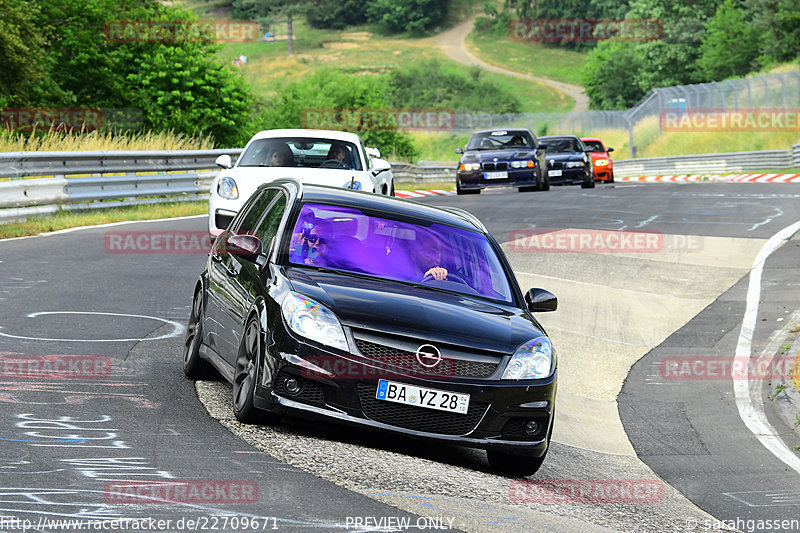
[[450, 277], [332, 163]]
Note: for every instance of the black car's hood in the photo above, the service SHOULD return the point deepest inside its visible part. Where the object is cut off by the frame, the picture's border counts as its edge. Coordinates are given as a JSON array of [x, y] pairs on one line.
[[500, 155], [396, 308]]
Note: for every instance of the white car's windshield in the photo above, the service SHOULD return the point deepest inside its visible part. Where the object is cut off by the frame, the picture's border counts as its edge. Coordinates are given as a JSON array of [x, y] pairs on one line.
[[344, 238], [301, 152]]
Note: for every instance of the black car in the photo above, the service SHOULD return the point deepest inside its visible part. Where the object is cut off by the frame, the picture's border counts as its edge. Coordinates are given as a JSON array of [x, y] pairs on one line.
[[375, 311], [568, 161], [502, 158]]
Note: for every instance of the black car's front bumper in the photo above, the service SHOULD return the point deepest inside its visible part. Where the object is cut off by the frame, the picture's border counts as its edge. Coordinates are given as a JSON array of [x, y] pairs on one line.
[[498, 411], [477, 179], [569, 176]]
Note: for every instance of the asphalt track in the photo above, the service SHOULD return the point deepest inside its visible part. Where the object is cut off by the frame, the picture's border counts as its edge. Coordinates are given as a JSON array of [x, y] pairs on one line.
[[69, 444]]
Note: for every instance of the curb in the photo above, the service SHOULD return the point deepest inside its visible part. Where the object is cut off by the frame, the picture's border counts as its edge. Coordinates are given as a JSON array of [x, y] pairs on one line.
[[421, 193], [733, 178]]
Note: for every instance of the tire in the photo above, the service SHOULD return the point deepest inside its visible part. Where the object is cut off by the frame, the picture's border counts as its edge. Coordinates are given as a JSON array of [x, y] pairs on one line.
[[588, 183], [245, 373], [193, 365], [612, 178], [514, 465], [545, 184], [391, 190]]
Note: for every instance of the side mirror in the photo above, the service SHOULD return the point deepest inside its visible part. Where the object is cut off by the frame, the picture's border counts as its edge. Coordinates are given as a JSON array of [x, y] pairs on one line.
[[373, 152], [248, 247], [224, 161], [609, 149], [542, 146], [540, 301], [459, 150]]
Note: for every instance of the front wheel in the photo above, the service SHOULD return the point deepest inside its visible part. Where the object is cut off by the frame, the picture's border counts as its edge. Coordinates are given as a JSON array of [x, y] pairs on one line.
[[391, 189], [515, 465], [588, 183]]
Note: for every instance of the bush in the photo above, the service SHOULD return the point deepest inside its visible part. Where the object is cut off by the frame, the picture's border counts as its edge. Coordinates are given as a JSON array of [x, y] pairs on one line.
[[330, 89], [336, 14], [429, 84], [413, 16]]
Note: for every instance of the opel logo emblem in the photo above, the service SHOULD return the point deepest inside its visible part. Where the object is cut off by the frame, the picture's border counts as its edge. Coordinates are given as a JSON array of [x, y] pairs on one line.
[[428, 355]]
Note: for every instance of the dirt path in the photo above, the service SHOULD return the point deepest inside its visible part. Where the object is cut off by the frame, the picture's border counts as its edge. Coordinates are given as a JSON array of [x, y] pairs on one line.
[[452, 43]]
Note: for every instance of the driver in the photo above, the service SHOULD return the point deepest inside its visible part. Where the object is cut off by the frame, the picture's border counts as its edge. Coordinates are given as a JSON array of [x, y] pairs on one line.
[[427, 257], [281, 156], [338, 152]]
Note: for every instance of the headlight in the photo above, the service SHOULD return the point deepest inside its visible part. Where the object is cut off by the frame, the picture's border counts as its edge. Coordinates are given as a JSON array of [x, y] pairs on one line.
[[313, 321], [532, 360], [522, 164], [226, 188], [470, 166], [574, 164], [352, 184], [601, 162]]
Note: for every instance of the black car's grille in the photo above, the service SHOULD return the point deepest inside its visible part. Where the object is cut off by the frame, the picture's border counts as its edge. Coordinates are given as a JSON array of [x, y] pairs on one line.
[[495, 166], [418, 418], [514, 428], [310, 392], [407, 361], [555, 164]]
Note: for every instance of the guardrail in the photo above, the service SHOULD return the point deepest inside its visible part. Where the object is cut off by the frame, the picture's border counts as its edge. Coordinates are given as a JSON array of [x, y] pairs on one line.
[[709, 163], [85, 180]]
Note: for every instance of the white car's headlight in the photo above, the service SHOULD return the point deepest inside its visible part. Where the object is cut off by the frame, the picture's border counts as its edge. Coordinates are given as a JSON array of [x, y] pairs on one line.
[[313, 321], [226, 188], [532, 360], [574, 164], [601, 162]]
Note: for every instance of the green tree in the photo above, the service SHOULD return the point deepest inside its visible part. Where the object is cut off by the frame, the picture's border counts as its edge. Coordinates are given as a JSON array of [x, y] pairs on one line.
[[609, 75], [21, 50], [270, 11], [731, 45], [413, 16], [336, 14], [779, 25]]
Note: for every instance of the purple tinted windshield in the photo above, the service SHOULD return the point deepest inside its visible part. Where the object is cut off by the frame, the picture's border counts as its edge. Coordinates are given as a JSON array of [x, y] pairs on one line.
[[345, 238]]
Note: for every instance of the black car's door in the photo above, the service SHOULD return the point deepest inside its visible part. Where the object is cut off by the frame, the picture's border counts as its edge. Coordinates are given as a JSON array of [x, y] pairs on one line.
[[243, 280], [224, 266]]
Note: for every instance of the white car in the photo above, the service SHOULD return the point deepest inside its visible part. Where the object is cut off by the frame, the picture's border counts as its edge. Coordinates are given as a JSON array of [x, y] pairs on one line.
[[320, 157]]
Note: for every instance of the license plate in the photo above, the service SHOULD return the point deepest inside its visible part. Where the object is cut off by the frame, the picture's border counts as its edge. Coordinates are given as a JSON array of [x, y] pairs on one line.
[[496, 175], [554, 173], [452, 402]]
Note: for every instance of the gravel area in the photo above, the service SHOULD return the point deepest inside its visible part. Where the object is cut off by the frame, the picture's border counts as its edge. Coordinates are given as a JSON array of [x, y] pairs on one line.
[[454, 482]]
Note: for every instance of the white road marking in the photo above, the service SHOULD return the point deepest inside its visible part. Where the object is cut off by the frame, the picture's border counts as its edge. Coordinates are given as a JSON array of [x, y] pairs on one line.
[[177, 329], [752, 413], [110, 224]]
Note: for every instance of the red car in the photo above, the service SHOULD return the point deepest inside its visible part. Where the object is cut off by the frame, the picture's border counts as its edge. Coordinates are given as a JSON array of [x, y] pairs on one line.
[[601, 161]]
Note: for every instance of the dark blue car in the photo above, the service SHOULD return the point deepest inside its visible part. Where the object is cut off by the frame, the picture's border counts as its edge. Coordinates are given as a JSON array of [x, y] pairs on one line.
[[568, 161], [502, 158]]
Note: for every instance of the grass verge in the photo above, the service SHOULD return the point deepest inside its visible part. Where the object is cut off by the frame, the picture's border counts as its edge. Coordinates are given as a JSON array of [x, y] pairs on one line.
[[72, 219], [53, 140]]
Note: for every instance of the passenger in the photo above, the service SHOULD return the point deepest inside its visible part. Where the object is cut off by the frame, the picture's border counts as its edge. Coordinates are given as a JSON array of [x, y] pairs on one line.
[[281, 156], [318, 239], [517, 140]]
